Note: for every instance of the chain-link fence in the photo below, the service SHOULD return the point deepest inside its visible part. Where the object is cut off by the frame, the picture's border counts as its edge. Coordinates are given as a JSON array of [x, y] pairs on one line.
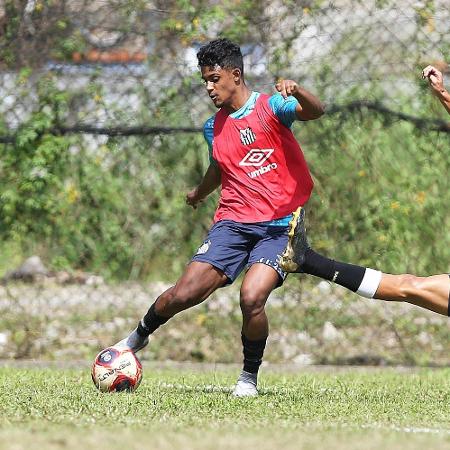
[[120, 60], [101, 112], [349, 50], [319, 324]]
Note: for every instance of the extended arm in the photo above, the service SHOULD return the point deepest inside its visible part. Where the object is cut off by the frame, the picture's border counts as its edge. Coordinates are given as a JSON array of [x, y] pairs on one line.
[[309, 107], [436, 81], [210, 182]]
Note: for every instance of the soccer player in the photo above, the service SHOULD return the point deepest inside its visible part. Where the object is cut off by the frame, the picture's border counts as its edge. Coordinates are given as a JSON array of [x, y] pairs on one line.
[[436, 81], [264, 177]]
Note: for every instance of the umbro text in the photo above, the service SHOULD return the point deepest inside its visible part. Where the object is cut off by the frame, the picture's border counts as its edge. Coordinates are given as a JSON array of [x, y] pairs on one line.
[[262, 170]]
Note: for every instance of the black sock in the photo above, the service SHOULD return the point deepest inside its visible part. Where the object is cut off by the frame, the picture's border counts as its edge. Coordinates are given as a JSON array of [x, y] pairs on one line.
[[346, 275], [150, 322], [253, 353]]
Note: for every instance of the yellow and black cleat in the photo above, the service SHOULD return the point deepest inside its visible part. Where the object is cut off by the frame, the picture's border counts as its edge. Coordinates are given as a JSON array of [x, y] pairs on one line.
[[293, 255]]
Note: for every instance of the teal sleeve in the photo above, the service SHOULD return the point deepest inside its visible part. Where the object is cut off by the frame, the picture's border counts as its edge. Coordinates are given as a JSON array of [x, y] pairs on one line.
[[284, 109], [208, 133]]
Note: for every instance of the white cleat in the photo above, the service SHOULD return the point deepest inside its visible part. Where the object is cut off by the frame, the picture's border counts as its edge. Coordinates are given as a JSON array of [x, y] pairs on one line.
[[133, 342], [246, 385]]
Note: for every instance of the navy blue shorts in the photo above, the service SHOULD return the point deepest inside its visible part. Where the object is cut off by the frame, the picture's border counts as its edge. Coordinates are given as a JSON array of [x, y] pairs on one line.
[[232, 246]]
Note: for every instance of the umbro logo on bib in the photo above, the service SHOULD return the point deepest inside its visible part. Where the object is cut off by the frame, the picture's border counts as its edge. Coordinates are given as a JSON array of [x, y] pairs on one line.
[[256, 157], [247, 136]]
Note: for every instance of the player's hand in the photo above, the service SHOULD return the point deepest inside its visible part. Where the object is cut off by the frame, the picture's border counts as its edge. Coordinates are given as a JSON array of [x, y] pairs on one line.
[[193, 199], [434, 77], [286, 87]]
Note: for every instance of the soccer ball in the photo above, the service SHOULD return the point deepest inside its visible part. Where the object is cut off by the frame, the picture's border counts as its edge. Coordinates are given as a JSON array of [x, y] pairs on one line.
[[116, 370]]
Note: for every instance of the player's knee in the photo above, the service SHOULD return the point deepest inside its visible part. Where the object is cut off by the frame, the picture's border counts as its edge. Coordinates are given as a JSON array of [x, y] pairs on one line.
[[252, 304]]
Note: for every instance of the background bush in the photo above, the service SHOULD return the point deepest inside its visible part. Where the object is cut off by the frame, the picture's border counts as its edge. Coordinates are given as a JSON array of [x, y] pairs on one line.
[[114, 204]]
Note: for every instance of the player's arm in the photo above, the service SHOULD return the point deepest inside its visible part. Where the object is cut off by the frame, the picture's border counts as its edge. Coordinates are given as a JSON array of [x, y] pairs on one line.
[[309, 107], [436, 81], [210, 182]]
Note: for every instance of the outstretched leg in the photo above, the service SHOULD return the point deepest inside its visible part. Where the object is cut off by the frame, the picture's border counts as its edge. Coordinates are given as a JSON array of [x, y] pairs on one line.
[[431, 292]]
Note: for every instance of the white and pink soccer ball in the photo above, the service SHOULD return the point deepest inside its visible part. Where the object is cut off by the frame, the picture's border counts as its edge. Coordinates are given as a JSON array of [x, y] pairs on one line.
[[116, 370]]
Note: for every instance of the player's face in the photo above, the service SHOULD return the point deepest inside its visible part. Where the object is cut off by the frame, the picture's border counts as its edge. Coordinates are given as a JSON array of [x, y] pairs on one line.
[[221, 84]]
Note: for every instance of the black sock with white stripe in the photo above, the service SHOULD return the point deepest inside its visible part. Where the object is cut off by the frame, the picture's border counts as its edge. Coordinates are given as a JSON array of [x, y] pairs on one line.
[[358, 279]]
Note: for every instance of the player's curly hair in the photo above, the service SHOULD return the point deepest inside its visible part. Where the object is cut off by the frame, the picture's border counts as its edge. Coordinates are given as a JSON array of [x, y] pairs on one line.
[[221, 52]]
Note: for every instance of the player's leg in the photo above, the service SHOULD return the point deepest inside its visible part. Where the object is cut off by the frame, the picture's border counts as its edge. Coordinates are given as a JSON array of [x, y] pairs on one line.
[[218, 261], [198, 281], [258, 283], [431, 293], [263, 276]]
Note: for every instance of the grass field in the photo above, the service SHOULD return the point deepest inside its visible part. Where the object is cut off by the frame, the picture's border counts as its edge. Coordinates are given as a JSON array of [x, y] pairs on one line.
[[188, 408]]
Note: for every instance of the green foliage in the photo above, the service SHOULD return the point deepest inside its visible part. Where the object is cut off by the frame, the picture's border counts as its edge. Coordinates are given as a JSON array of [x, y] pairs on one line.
[[68, 45], [116, 206], [32, 35], [237, 20], [380, 193], [10, 31], [108, 208], [32, 173]]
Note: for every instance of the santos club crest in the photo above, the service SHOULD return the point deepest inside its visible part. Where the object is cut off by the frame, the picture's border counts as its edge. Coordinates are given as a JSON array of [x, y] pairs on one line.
[[247, 136]]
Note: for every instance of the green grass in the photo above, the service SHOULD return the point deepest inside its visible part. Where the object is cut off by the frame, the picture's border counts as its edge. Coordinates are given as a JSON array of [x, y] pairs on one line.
[[55, 408]]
